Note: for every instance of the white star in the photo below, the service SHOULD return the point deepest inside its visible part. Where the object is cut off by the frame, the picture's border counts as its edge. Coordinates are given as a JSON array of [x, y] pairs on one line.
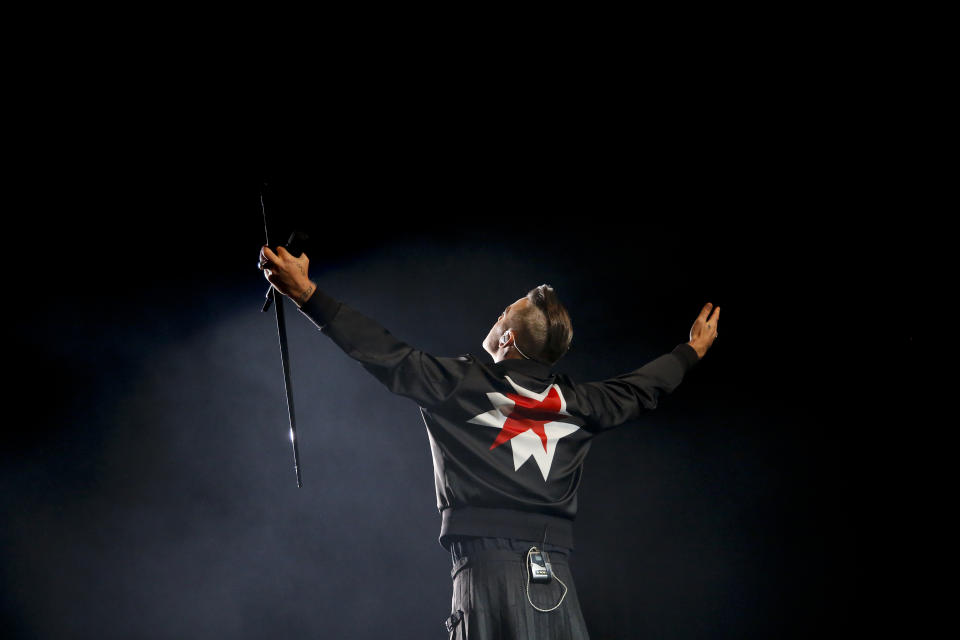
[[527, 443]]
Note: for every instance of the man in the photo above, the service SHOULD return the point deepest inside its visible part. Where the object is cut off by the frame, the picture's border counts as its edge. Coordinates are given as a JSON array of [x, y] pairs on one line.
[[508, 442]]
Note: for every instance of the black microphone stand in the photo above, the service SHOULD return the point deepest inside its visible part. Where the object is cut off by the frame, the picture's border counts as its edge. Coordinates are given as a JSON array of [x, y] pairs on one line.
[[272, 293]]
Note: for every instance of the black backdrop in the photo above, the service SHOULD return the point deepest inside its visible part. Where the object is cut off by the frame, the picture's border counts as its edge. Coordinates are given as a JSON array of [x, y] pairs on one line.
[[148, 488]]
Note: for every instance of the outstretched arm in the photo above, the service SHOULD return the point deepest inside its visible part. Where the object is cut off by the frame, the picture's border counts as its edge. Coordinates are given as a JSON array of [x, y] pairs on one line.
[[404, 370], [612, 402]]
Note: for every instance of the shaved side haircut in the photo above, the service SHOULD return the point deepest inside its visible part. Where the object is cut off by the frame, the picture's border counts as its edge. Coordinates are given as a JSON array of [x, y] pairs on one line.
[[547, 330]]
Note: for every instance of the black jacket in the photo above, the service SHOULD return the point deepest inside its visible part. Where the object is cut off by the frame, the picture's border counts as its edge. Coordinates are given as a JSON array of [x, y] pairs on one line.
[[508, 438]]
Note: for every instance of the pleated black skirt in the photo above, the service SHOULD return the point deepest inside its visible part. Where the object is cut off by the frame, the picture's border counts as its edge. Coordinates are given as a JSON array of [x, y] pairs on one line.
[[490, 593]]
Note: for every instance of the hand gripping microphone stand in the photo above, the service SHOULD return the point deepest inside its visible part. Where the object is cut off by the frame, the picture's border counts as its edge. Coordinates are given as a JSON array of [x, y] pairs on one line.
[[294, 246]]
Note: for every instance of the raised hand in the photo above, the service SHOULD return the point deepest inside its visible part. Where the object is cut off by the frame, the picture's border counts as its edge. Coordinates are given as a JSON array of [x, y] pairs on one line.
[[704, 329]]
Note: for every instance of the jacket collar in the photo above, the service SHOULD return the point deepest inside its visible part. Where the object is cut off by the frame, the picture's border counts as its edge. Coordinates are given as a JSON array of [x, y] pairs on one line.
[[528, 367]]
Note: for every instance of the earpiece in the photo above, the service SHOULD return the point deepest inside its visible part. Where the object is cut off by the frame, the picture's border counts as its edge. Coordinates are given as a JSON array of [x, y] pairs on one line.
[[505, 338]]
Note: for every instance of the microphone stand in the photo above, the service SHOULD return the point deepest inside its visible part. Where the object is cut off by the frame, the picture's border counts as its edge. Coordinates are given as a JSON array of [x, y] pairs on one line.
[[272, 293]]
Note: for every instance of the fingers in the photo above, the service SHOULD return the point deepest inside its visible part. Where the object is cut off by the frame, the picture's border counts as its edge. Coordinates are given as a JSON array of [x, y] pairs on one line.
[[713, 324], [267, 258], [705, 312], [705, 326], [702, 318], [714, 317]]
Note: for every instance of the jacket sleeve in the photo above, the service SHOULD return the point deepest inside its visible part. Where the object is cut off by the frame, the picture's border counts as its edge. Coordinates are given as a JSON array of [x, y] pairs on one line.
[[612, 402], [404, 370]]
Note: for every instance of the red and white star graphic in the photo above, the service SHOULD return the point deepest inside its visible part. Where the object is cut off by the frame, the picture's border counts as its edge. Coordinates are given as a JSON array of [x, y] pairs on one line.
[[532, 422]]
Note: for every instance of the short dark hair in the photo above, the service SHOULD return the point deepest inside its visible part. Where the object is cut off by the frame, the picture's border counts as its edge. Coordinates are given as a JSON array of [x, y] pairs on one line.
[[547, 327]]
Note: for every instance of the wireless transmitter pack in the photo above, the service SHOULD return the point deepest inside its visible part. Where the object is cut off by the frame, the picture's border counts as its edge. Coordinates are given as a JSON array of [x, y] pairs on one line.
[[539, 570], [538, 563]]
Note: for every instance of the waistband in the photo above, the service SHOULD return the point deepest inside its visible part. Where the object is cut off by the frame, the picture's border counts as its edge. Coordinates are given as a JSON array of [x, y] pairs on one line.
[[480, 551], [481, 546], [504, 523]]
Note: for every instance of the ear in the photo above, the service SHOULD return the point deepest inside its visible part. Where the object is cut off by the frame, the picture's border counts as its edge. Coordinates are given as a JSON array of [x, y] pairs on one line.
[[506, 338]]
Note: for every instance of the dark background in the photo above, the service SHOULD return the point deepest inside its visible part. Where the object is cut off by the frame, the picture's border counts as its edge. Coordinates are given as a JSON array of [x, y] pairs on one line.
[[148, 486]]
